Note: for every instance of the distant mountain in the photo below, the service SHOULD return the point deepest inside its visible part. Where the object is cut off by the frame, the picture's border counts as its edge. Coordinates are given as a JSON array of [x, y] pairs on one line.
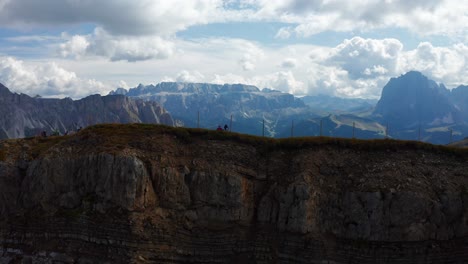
[[460, 144], [411, 107], [23, 116], [412, 100], [415, 107], [332, 104], [210, 105], [459, 97], [336, 125]]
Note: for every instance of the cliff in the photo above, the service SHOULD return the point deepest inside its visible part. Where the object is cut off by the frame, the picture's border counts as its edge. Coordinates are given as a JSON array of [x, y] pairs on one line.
[[25, 116], [215, 104], [413, 99], [146, 193]]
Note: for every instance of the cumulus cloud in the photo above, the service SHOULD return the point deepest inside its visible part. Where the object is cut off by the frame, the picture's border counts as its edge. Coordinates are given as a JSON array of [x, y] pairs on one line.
[[361, 67], [247, 65], [165, 18], [283, 81], [117, 48], [366, 58], [229, 79], [335, 81], [289, 63], [444, 64], [47, 80], [186, 76], [252, 53], [446, 17]]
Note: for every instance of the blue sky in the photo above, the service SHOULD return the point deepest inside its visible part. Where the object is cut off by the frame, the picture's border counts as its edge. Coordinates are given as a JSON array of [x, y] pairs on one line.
[[73, 48]]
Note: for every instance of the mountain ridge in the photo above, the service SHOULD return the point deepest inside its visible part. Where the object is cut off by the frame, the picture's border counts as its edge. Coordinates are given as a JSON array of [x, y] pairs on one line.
[[411, 107], [25, 116], [414, 99]]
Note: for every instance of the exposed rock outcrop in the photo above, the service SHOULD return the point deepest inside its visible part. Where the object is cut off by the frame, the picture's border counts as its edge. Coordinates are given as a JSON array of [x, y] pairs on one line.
[[413, 99], [216, 104], [24, 116], [154, 194]]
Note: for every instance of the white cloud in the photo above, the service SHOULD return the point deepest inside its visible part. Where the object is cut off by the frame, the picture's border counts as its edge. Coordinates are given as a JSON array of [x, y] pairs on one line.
[[75, 47], [193, 77], [366, 58], [444, 64], [229, 79], [117, 48], [361, 67], [424, 17], [33, 38], [119, 17], [165, 18], [357, 67], [284, 33], [289, 63], [247, 65], [283, 81], [46, 79]]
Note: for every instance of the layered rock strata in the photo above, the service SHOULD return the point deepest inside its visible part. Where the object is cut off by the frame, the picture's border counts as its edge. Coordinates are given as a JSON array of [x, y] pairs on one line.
[[166, 197]]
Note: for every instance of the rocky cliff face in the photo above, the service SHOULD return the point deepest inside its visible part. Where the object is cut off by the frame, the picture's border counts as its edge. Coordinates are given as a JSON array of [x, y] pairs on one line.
[[460, 98], [412, 99], [216, 103], [24, 116], [154, 194]]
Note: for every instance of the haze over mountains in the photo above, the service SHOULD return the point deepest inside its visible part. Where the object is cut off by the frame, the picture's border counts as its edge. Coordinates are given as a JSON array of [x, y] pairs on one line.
[[411, 107], [215, 104], [24, 116]]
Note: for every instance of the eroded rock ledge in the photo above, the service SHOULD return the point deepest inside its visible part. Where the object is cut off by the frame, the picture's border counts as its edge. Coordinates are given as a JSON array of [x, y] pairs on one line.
[[166, 196]]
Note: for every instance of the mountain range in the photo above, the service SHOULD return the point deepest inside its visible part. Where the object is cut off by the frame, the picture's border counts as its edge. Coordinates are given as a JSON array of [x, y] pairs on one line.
[[209, 105], [25, 116], [411, 107]]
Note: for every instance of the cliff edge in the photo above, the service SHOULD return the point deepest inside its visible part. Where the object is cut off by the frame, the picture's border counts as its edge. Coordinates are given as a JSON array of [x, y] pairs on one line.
[[147, 193]]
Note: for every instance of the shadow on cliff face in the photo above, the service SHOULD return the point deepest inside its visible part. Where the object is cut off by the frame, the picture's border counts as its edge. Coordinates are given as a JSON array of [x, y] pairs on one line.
[[149, 194]]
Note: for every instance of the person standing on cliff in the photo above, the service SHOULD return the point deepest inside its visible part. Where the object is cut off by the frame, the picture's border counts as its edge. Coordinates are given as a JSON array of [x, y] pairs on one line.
[[226, 127], [219, 128]]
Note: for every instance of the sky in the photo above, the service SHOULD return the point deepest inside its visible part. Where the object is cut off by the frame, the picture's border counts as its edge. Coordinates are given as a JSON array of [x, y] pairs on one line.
[[345, 48]]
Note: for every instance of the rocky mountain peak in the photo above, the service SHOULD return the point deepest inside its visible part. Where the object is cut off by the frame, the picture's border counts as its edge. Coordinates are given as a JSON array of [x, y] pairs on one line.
[[24, 116], [413, 99]]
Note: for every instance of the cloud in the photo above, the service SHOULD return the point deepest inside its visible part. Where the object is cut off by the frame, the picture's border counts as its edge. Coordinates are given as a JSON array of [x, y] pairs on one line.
[[229, 79], [119, 17], [335, 81], [431, 17], [361, 67], [252, 53], [75, 47], [116, 48], [367, 58], [284, 33], [33, 38], [165, 18], [289, 63], [283, 81], [46, 79], [193, 77], [444, 64], [247, 65]]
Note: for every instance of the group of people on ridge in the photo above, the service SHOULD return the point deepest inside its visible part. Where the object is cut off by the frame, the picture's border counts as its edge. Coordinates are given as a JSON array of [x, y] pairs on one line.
[[221, 129]]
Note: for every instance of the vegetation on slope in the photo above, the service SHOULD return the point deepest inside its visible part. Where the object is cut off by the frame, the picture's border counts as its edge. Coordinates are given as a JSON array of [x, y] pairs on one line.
[[116, 137], [116, 134]]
